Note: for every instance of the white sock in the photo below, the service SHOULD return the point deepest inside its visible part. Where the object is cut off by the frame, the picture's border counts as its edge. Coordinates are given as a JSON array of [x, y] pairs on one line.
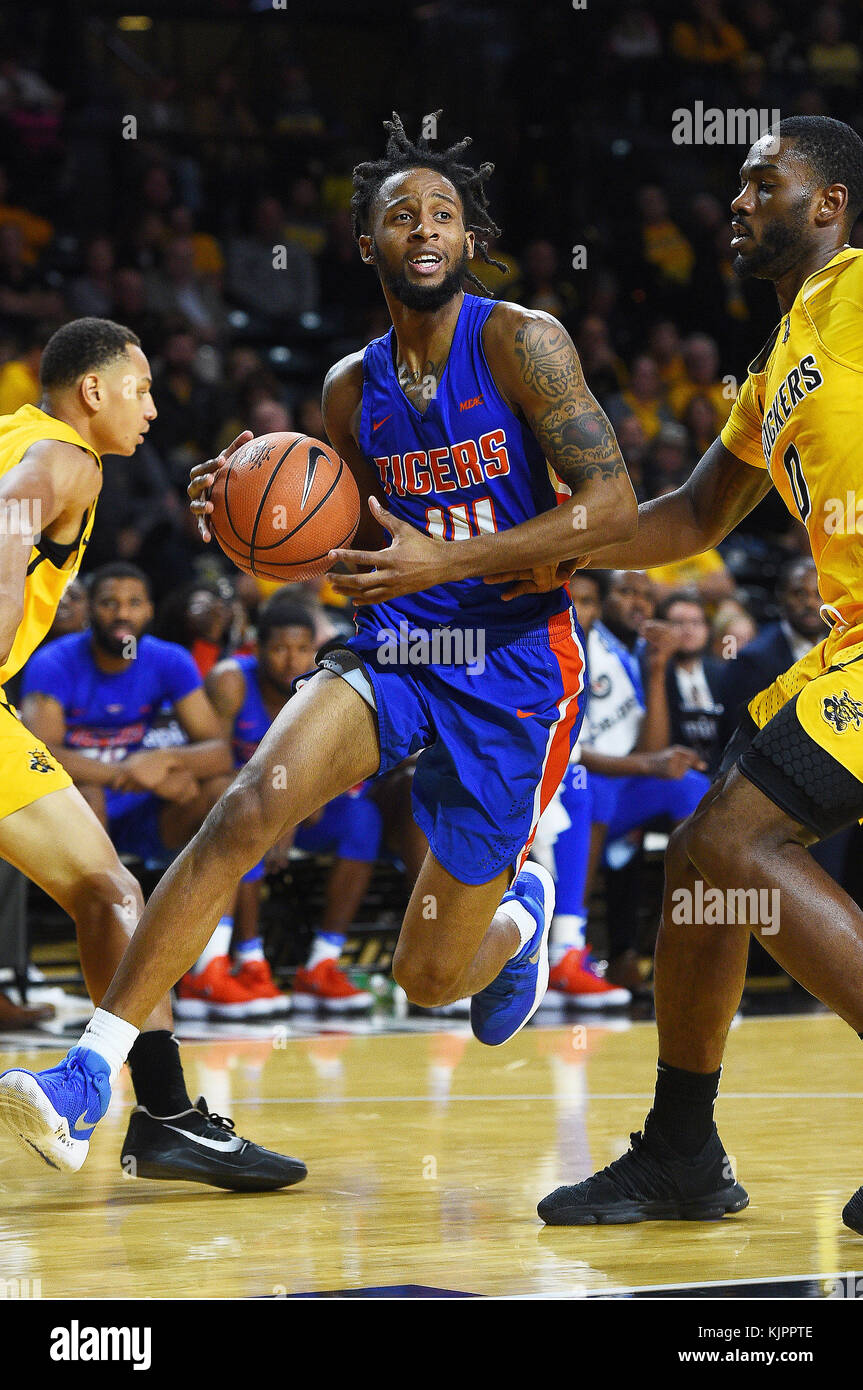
[[567, 934], [326, 946], [524, 921], [219, 944], [111, 1037]]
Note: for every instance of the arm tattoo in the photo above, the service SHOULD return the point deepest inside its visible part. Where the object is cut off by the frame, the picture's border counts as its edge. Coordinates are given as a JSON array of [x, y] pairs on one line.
[[570, 427]]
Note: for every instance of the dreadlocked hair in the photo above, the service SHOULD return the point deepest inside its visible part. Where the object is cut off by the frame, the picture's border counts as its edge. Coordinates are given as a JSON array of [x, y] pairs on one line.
[[402, 153]]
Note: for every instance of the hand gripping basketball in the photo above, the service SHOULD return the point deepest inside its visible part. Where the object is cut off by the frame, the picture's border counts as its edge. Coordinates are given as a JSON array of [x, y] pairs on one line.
[[201, 479]]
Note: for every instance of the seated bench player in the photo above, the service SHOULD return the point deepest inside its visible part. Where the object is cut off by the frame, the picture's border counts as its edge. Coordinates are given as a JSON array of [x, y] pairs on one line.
[[248, 692], [93, 696]]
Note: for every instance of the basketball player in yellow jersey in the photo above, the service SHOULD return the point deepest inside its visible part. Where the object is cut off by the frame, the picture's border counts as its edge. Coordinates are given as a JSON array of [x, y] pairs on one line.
[[793, 772], [97, 400]]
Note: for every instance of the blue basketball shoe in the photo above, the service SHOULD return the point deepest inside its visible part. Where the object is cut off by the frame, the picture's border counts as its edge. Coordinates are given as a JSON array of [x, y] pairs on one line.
[[504, 1006], [52, 1113]]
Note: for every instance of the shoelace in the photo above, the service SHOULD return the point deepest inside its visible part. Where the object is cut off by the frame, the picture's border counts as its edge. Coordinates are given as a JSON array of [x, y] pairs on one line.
[[222, 1122], [637, 1175]]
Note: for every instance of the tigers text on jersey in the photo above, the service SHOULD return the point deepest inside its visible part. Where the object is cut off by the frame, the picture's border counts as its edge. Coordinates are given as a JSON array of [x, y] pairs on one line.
[[798, 414], [465, 466]]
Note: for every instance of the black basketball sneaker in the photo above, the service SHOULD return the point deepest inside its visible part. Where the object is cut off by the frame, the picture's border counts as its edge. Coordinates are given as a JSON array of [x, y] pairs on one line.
[[852, 1213], [197, 1146], [650, 1183]]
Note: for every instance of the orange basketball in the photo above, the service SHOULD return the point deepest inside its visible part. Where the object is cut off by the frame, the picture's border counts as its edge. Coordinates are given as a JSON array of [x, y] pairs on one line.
[[281, 503]]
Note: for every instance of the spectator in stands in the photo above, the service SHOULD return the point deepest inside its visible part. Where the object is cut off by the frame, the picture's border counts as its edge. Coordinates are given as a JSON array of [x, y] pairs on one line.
[[694, 678], [92, 294], [176, 290], [188, 415], [732, 629], [663, 344], [644, 398], [269, 277], [625, 771], [304, 221], [94, 697], [708, 38], [668, 459], [701, 358], [664, 247], [200, 617], [36, 232], [19, 377], [543, 286], [604, 371], [248, 692], [129, 303], [24, 294]]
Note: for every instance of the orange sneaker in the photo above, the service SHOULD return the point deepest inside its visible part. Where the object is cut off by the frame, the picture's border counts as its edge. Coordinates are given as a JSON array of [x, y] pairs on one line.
[[257, 978], [215, 993], [327, 987], [576, 981]]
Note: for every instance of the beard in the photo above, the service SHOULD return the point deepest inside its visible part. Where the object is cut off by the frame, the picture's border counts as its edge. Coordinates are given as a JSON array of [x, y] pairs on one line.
[[779, 249], [425, 298], [110, 642]]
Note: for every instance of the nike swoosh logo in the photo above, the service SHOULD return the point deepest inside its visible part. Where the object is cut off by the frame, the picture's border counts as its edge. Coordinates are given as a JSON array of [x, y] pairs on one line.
[[83, 1123], [223, 1148], [534, 959], [381, 422], [311, 466], [526, 713]]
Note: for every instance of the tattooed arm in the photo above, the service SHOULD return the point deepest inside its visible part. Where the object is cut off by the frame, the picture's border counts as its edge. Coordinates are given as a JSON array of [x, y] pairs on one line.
[[537, 371]]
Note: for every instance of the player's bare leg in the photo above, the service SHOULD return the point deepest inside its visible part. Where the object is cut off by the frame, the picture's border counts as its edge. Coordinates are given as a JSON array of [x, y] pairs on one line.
[[741, 839], [321, 743], [486, 941], [84, 876], [453, 940]]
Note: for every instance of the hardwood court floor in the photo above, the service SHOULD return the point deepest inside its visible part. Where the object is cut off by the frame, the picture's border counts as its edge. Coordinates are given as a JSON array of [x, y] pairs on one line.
[[427, 1154]]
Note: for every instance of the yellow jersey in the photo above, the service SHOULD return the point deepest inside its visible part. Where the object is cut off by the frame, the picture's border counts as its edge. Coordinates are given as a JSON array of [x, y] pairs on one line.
[[799, 415], [49, 569]]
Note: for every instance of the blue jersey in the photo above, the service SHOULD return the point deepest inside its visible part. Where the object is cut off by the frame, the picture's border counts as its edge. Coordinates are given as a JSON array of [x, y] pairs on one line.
[[109, 714], [252, 719], [467, 465]]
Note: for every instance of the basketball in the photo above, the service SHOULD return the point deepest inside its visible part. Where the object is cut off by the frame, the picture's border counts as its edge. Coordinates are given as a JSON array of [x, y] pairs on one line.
[[281, 503]]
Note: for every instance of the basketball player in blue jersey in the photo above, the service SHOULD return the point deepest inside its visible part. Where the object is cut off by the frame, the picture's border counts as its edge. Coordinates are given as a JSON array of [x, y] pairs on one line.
[[467, 419]]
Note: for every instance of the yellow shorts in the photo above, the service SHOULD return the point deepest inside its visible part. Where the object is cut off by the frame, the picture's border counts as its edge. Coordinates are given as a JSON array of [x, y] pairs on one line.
[[28, 769], [808, 753]]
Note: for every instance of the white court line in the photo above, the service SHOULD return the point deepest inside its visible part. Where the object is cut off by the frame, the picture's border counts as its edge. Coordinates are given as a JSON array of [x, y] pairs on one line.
[[538, 1095]]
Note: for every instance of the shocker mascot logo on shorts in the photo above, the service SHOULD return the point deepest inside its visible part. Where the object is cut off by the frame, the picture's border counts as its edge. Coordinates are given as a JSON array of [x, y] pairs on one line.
[[40, 762], [841, 711]]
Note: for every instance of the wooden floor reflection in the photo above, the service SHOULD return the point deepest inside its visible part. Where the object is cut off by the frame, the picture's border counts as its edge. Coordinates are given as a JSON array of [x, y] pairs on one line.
[[427, 1154]]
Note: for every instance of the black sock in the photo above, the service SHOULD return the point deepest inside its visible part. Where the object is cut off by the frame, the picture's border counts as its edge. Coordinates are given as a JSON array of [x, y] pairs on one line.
[[157, 1073], [683, 1107]]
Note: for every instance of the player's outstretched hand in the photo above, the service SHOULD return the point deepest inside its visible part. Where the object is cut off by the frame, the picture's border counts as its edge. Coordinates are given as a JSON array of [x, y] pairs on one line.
[[413, 561], [202, 477]]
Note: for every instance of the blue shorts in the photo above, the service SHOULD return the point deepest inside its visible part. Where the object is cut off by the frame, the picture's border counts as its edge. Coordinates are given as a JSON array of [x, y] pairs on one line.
[[497, 734], [133, 825], [350, 828]]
